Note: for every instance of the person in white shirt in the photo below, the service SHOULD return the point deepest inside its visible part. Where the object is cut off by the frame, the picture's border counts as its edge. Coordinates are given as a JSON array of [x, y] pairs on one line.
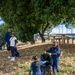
[[13, 48]]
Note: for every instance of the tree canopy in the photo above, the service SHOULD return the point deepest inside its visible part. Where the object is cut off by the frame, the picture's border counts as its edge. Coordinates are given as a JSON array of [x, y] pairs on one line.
[[28, 17]]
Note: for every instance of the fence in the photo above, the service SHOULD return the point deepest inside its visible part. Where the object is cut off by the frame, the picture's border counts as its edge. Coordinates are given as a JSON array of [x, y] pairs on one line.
[[64, 38]]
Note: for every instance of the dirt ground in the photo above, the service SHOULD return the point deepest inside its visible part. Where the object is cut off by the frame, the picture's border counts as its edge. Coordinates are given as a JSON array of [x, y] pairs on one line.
[[22, 64]]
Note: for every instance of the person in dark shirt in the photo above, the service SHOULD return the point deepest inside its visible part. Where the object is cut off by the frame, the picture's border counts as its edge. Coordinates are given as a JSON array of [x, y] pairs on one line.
[[55, 53], [7, 38]]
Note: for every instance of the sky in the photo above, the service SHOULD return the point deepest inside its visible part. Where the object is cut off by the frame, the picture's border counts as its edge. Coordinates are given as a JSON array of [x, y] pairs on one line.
[[61, 29], [1, 21]]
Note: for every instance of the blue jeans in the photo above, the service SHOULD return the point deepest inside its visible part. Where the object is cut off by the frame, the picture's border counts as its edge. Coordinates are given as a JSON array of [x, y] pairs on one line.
[[55, 66]]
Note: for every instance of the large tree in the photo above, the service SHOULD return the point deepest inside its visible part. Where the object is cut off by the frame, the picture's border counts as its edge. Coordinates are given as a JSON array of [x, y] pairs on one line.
[[32, 16]]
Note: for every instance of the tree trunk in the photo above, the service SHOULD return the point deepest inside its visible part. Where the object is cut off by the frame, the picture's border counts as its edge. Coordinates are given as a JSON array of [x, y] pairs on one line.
[[48, 36], [32, 40], [42, 36], [44, 27]]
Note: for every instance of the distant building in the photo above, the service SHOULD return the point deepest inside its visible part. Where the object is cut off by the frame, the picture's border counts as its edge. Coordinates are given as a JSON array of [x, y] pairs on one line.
[[60, 29]]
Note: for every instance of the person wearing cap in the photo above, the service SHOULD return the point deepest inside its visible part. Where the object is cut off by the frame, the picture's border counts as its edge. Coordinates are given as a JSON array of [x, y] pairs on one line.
[[55, 53], [35, 66], [13, 48]]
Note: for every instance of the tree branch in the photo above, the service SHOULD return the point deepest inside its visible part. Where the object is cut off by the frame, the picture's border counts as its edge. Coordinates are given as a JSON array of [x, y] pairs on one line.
[[45, 27]]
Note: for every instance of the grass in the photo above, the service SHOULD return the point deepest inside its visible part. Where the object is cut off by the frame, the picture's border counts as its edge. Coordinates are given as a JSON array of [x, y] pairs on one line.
[[22, 64]]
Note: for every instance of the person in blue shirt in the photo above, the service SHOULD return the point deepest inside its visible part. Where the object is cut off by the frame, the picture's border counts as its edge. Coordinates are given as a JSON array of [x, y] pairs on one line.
[[35, 66], [55, 53], [7, 38]]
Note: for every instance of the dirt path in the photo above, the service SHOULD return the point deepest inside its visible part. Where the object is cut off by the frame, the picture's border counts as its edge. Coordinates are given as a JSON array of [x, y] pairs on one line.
[[21, 45]]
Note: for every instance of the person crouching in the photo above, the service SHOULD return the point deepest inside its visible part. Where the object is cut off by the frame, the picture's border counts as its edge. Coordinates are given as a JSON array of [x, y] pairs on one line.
[[35, 66]]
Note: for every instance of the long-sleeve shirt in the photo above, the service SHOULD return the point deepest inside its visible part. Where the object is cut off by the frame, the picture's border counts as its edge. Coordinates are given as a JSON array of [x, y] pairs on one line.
[[7, 37], [36, 69], [54, 53]]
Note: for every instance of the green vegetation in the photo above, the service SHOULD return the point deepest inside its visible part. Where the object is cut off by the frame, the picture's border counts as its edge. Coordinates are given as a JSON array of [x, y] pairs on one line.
[[22, 64], [28, 17]]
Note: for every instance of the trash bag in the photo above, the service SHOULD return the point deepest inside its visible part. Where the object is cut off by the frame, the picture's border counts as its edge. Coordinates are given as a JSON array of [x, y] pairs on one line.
[[46, 68]]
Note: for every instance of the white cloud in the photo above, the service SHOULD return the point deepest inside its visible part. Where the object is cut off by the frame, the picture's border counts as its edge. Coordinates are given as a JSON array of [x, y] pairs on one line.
[[62, 30]]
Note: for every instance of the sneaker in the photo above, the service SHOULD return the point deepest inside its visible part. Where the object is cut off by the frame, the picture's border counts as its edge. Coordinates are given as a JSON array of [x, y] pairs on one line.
[[9, 57], [12, 59]]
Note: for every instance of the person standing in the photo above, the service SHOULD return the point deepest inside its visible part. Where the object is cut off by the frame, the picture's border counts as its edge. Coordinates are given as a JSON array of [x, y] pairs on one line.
[[7, 38], [13, 48], [55, 53]]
